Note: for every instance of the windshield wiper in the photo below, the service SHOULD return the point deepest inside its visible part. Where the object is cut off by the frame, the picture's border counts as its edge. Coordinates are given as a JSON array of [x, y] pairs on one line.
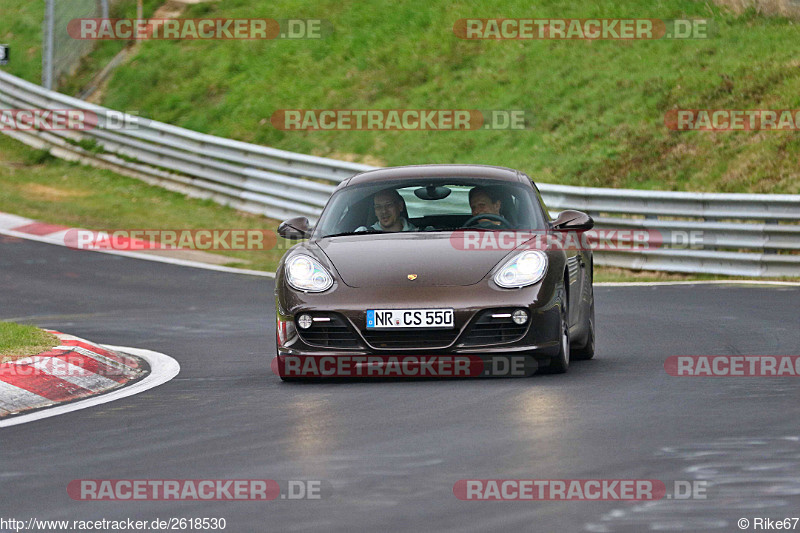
[[363, 232]]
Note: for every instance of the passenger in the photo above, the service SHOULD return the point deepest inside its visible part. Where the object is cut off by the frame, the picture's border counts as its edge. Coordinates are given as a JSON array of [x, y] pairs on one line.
[[389, 207]]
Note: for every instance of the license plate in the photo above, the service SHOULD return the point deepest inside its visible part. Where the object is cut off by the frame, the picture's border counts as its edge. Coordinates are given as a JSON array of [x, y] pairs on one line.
[[409, 318]]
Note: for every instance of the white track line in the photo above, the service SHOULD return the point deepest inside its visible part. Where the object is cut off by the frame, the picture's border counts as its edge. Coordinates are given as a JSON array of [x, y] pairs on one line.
[[700, 282], [162, 369]]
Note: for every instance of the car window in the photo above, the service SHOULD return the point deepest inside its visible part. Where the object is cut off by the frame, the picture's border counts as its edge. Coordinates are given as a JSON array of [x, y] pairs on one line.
[[351, 209]]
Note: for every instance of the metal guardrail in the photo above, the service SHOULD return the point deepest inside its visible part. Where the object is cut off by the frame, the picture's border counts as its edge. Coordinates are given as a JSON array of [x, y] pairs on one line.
[[742, 234]]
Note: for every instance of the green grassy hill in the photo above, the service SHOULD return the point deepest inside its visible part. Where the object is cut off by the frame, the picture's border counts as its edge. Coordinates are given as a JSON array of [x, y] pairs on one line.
[[598, 107]]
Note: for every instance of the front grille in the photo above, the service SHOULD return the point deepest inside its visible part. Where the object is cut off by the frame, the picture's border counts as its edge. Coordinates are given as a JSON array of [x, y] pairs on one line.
[[335, 333], [487, 330], [438, 338]]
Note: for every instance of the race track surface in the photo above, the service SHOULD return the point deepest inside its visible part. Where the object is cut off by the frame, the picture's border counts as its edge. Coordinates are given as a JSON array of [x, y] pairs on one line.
[[393, 450]]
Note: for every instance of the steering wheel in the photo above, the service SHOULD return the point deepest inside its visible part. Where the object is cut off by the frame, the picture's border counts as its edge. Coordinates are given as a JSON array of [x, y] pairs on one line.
[[505, 224]]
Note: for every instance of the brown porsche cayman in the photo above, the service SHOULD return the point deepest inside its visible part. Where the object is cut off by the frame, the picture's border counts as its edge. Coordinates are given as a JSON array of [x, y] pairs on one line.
[[436, 260]]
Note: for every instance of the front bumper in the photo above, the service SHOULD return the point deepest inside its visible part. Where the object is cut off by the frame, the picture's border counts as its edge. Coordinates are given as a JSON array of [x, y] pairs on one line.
[[539, 337]]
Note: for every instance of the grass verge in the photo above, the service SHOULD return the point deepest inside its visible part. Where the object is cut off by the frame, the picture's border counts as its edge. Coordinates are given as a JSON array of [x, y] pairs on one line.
[[18, 341]]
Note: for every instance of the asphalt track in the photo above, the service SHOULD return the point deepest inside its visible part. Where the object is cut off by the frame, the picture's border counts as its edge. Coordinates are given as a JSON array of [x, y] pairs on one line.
[[393, 450]]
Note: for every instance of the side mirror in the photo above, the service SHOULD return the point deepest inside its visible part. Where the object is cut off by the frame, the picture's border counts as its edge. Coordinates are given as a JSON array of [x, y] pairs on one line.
[[571, 220], [295, 228]]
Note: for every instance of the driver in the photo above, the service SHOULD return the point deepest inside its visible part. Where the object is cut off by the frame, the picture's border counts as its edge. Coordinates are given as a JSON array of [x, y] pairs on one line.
[[389, 207], [483, 200]]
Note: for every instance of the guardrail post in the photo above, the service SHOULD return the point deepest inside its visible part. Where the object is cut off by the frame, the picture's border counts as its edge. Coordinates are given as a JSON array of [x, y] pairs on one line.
[[767, 250], [47, 42]]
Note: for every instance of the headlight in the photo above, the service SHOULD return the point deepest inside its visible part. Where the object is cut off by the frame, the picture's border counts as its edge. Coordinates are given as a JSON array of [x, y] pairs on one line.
[[304, 273], [524, 269]]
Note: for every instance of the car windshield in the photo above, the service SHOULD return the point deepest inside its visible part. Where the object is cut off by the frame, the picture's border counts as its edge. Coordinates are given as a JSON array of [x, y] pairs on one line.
[[430, 205]]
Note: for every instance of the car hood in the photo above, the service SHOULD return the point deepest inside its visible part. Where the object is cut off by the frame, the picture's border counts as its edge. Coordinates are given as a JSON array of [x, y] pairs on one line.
[[389, 259]]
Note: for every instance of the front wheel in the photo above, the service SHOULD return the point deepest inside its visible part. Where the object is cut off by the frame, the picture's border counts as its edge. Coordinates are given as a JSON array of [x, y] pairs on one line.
[[586, 351], [560, 363]]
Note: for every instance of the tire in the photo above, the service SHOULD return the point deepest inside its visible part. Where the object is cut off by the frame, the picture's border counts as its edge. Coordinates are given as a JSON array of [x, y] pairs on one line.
[[560, 363], [586, 352]]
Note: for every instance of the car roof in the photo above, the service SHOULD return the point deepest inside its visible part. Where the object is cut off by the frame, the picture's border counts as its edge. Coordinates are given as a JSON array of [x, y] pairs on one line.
[[436, 172]]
